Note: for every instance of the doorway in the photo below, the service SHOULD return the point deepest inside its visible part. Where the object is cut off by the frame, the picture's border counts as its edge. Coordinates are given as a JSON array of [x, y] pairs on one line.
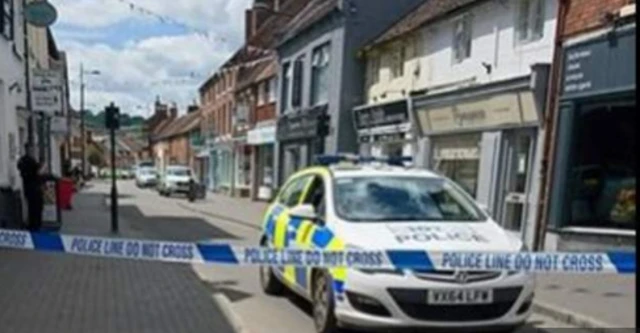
[[518, 148]]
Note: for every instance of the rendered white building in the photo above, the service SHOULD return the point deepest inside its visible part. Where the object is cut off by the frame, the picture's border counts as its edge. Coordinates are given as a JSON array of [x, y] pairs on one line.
[[472, 75]]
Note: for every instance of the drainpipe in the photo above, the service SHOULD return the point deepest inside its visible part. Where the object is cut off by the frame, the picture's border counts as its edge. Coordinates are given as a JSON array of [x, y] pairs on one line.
[[550, 121]]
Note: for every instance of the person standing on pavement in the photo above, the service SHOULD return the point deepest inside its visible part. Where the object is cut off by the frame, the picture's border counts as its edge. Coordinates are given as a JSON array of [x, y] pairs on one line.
[[30, 171]]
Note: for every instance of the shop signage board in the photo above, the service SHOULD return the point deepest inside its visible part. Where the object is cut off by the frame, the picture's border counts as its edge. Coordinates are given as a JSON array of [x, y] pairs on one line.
[[46, 91], [509, 108], [599, 64], [300, 125], [381, 115], [59, 125], [261, 135]]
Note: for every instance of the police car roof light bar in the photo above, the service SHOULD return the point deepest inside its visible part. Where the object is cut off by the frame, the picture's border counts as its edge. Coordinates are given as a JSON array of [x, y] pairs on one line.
[[327, 160]]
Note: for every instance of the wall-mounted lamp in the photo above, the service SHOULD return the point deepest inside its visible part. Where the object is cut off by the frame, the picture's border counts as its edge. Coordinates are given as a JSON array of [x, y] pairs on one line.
[[487, 67]]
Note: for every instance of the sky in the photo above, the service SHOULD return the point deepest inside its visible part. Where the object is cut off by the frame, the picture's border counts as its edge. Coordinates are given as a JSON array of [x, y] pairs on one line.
[[140, 55]]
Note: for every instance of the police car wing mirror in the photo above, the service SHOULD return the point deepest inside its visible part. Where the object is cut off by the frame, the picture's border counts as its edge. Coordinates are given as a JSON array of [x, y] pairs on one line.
[[304, 211]]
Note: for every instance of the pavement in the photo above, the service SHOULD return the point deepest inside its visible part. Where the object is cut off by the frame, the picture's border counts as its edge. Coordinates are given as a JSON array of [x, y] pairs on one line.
[[585, 301], [46, 292]]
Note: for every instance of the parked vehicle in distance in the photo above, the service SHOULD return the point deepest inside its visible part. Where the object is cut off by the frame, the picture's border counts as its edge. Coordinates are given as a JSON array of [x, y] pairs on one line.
[[175, 179], [146, 177]]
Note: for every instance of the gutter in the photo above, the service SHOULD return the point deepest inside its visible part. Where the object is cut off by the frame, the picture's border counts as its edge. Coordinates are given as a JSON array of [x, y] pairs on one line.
[[549, 125]]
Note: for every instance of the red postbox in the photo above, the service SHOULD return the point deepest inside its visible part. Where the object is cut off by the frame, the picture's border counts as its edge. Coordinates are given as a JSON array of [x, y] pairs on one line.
[[65, 193]]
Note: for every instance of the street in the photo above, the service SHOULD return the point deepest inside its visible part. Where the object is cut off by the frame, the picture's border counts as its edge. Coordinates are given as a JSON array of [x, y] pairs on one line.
[[176, 219]]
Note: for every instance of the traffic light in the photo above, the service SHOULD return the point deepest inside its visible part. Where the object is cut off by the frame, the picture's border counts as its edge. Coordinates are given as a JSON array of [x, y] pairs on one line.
[[323, 125], [112, 117]]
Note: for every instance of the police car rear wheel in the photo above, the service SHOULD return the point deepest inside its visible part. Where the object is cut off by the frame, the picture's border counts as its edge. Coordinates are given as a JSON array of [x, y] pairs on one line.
[[323, 306]]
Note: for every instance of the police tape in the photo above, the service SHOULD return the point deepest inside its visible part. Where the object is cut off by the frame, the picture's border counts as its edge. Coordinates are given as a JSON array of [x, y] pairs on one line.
[[226, 254]]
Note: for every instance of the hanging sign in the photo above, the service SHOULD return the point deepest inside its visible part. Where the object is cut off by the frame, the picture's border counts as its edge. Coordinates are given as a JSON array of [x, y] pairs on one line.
[[40, 13]]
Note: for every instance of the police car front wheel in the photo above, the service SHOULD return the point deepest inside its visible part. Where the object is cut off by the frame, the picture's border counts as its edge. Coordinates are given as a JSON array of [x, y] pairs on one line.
[[269, 282], [323, 304]]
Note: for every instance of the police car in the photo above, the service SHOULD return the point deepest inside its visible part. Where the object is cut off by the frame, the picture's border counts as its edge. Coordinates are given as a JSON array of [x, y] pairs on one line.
[[351, 203]]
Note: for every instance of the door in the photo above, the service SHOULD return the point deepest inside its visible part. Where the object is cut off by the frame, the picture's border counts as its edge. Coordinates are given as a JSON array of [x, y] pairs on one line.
[[284, 231], [314, 195], [517, 161]]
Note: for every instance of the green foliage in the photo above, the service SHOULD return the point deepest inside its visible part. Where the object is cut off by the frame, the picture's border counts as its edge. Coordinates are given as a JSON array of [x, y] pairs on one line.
[[126, 120]]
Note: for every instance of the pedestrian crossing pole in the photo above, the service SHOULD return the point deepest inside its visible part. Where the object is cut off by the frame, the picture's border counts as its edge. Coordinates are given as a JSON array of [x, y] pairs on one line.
[[112, 122]]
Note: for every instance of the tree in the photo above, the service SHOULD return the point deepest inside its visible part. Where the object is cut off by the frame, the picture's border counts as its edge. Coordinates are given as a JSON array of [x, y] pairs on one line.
[[95, 157]]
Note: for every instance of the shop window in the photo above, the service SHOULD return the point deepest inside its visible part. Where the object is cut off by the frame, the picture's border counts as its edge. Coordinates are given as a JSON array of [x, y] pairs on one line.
[[530, 20], [458, 158], [320, 74], [462, 38], [602, 176], [266, 163], [6, 19]]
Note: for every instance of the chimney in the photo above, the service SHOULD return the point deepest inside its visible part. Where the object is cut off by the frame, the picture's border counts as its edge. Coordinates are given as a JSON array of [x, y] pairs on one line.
[[192, 108], [173, 112], [262, 10]]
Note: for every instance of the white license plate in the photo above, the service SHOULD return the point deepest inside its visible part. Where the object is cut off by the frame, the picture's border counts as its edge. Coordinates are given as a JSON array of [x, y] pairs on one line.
[[460, 296]]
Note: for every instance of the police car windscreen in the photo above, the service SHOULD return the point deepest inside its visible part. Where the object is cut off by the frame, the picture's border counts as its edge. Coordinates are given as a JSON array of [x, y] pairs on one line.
[[389, 199]]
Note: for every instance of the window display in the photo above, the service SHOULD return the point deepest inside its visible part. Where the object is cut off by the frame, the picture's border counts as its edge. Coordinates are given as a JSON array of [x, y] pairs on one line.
[[602, 168]]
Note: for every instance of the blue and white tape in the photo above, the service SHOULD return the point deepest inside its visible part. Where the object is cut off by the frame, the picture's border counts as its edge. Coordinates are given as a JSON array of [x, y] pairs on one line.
[[214, 253]]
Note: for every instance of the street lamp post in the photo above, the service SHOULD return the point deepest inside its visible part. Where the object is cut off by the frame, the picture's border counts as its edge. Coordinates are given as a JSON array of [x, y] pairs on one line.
[[83, 150]]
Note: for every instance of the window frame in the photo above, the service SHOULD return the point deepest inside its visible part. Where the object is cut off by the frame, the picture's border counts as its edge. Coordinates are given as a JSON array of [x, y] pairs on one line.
[[8, 17], [374, 69], [466, 21], [309, 193], [530, 26], [295, 180], [273, 89], [397, 62], [317, 70], [287, 79], [297, 85]]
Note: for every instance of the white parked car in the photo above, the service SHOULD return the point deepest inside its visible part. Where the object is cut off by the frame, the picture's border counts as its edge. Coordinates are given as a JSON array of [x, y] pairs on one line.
[[384, 207], [175, 179], [146, 177]]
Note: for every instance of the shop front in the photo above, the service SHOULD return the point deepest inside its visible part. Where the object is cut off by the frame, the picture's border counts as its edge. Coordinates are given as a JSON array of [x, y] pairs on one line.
[[592, 200], [262, 139], [298, 140], [384, 130], [487, 140], [222, 164]]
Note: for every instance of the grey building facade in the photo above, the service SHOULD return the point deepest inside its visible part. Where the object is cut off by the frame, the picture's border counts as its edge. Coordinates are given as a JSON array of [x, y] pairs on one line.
[[321, 78]]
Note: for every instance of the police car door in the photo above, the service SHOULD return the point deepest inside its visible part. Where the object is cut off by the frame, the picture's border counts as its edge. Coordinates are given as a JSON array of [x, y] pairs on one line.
[[313, 195], [285, 227]]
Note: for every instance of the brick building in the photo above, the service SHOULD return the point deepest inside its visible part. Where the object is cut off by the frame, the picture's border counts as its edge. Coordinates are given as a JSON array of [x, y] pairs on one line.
[[228, 152], [172, 144], [588, 196]]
